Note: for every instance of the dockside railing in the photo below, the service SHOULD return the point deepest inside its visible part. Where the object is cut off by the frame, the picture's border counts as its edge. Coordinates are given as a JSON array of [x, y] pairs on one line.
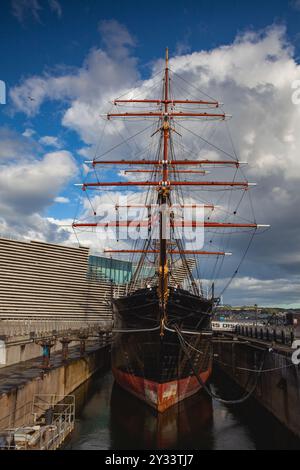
[[280, 335], [43, 424]]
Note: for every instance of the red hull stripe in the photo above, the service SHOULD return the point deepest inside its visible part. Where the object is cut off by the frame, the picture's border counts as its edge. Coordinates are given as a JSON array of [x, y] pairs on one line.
[[159, 395]]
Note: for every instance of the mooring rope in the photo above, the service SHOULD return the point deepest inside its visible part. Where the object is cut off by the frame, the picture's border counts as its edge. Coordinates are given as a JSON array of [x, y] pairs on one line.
[[207, 388], [133, 330], [184, 344], [245, 369], [187, 332]]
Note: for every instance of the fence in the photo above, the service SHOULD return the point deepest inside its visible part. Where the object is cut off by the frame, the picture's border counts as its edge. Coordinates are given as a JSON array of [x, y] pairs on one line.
[[11, 328], [281, 335], [43, 424]]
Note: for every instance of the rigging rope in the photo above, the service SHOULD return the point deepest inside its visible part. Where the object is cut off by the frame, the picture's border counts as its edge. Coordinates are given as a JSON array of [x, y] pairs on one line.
[[206, 387], [207, 133], [137, 330], [207, 142]]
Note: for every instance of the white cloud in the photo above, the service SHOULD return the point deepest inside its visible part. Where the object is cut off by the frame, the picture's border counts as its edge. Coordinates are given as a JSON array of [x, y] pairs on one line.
[[88, 88], [29, 132], [15, 146], [29, 187], [252, 76], [24, 9], [116, 38], [56, 7], [295, 4], [62, 200], [86, 152], [51, 141], [270, 292]]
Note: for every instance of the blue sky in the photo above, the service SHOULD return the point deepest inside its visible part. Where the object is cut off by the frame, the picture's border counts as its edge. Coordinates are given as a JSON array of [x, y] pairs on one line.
[[45, 39], [27, 47], [61, 59]]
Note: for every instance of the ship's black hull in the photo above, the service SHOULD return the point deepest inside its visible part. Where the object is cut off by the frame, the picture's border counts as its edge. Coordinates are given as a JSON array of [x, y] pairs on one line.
[[148, 361]]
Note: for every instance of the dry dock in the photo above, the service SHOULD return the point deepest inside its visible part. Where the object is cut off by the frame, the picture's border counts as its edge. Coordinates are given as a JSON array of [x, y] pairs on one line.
[[265, 355], [20, 383]]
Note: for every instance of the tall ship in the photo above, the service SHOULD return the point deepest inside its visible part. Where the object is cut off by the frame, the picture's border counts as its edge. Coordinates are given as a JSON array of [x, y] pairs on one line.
[[162, 346]]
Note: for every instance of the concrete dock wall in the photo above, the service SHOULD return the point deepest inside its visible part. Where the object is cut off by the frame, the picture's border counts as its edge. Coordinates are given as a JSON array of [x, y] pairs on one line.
[[278, 388], [21, 341], [24, 351], [61, 380]]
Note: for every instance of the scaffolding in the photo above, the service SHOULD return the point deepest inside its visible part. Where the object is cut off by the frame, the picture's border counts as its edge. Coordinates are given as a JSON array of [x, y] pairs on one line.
[[43, 424]]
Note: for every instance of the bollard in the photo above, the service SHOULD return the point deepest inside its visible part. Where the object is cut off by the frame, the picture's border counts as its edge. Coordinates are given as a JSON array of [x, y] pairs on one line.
[[82, 336], [266, 333], [261, 333], [292, 337], [65, 348], [101, 335], [82, 347]]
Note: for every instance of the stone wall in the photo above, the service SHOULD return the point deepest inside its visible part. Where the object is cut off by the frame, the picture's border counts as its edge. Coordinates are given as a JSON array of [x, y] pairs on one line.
[[278, 389], [61, 381]]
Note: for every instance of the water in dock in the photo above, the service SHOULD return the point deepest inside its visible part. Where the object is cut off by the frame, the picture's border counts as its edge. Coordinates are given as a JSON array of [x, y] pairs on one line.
[[110, 418]]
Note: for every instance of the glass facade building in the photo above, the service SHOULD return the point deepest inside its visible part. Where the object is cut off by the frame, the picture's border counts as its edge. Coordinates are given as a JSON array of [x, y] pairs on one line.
[[113, 270]]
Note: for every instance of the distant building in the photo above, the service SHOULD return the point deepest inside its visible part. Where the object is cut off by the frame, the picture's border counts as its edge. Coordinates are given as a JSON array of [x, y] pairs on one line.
[[114, 270], [43, 281]]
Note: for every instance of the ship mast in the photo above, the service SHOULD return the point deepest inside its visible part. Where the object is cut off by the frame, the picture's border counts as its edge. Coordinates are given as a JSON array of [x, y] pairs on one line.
[[163, 199], [167, 111]]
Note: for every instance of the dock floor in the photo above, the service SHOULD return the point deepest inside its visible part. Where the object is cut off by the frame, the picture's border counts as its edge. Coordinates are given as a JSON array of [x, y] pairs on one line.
[[17, 375]]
